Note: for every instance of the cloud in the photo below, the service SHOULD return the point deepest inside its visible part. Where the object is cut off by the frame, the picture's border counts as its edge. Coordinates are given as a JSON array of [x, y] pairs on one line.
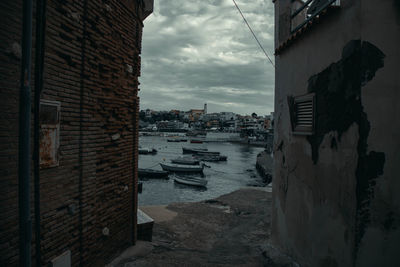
[[202, 51]]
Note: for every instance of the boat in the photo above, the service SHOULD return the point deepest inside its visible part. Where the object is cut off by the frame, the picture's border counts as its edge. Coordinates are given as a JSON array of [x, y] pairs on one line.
[[181, 168], [211, 158], [150, 173], [186, 161], [187, 150], [195, 141], [191, 180], [145, 151], [207, 153], [173, 140]]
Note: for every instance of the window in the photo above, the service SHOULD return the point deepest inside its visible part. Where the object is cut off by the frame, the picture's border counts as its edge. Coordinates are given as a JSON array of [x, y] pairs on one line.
[[304, 12], [49, 133], [302, 114]]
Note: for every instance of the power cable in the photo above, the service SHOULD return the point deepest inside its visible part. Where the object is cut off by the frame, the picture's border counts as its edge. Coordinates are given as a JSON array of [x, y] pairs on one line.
[[255, 37]]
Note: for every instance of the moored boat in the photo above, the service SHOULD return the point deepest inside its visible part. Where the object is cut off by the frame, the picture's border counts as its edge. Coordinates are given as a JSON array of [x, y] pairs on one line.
[[191, 180], [145, 151], [187, 150], [186, 161], [211, 158], [207, 153], [150, 173], [196, 141], [181, 168]]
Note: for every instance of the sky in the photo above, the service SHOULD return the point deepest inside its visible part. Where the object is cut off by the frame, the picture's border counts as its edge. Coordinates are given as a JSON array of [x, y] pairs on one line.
[[196, 52]]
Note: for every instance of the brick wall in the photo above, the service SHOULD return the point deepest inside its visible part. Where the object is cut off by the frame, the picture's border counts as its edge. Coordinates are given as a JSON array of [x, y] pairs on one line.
[[10, 55], [92, 64]]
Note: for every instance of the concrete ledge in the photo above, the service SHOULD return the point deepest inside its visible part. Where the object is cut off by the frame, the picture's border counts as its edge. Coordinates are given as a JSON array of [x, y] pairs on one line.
[[159, 213]]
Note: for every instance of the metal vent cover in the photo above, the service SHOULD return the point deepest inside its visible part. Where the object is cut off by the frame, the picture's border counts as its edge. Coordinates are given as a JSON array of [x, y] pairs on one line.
[[302, 109]]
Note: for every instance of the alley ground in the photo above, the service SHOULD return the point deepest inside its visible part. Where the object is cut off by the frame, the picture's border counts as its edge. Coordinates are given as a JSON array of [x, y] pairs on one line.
[[232, 230]]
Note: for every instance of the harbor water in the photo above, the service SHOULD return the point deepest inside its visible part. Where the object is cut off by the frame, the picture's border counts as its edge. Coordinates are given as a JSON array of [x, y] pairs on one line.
[[223, 177]]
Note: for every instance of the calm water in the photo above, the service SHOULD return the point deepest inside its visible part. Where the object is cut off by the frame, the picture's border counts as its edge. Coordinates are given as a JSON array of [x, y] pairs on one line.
[[223, 177]]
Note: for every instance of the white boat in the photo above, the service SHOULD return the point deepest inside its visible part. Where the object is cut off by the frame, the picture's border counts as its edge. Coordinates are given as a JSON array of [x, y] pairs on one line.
[[186, 161], [181, 168], [191, 180]]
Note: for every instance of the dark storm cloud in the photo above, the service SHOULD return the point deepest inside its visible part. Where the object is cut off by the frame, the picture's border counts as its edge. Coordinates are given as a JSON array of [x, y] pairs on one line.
[[201, 51]]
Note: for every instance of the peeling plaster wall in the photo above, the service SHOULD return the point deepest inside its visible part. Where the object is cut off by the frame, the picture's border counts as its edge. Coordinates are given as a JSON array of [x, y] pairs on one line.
[[380, 243], [335, 192]]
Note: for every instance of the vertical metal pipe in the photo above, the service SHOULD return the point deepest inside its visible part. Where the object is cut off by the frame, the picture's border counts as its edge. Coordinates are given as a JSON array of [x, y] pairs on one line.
[[24, 155], [81, 106], [39, 61]]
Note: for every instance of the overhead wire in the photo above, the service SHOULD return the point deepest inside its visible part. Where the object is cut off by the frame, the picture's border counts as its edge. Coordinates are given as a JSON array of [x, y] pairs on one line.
[[254, 35]]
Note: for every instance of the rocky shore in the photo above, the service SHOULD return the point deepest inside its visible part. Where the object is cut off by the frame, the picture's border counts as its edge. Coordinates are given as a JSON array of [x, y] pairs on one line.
[[264, 165], [231, 230]]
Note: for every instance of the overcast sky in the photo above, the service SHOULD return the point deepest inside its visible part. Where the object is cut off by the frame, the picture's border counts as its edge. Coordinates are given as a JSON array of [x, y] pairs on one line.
[[197, 52]]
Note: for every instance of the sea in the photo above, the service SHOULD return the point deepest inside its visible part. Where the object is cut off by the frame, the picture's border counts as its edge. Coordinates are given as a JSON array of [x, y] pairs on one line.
[[223, 177]]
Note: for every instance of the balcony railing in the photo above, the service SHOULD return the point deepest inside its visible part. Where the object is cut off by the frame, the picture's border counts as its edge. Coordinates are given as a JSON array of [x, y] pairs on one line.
[[304, 12]]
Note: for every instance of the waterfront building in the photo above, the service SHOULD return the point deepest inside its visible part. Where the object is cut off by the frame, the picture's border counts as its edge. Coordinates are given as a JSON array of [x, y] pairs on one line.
[[196, 114], [88, 133], [336, 144], [227, 116]]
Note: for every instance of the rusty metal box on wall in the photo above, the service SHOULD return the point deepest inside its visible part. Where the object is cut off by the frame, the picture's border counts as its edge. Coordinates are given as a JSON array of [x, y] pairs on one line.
[[49, 133]]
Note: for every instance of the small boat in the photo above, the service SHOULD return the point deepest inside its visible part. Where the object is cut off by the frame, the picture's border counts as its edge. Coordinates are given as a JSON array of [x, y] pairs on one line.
[[187, 150], [183, 140], [150, 173], [191, 180], [145, 151], [195, 141], [211, 158], [181, 168], [173, 140], [186, 161], [207, 153]]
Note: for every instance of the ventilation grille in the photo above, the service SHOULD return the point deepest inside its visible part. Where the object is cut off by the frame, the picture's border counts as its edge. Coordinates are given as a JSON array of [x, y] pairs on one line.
[[303, 114]]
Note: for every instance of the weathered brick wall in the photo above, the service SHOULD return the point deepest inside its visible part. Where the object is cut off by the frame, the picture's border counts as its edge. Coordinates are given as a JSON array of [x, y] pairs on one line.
[[92, 64], [10, 61]]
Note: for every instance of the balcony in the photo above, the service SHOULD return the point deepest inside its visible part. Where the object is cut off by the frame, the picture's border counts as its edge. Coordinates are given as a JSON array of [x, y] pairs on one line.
[[304, 13]]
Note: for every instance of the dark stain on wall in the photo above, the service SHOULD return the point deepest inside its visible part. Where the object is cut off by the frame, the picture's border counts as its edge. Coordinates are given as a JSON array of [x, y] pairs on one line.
[[338, 97], [389, 222], [280, 146], [396, 4], [369, 167], [334, 143], [338, 92]]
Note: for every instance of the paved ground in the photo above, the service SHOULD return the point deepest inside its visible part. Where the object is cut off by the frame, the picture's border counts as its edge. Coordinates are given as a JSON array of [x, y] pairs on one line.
[[232, 230]]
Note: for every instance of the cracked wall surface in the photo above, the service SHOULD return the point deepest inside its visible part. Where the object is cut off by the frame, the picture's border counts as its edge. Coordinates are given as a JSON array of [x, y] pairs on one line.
[[334, 201]]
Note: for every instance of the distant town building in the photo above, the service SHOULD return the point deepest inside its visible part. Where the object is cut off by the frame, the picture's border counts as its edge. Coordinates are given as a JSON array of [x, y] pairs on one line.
[[196, 114]]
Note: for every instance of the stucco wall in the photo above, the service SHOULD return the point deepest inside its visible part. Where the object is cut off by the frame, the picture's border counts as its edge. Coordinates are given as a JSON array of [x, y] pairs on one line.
[[380, 243], [317, 195]]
